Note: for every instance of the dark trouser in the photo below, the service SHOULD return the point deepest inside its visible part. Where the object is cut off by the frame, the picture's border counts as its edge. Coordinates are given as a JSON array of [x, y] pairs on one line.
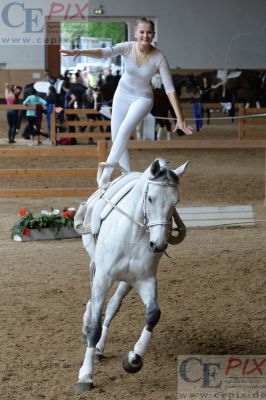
[[32, 125], [49, 109], [12, 120]]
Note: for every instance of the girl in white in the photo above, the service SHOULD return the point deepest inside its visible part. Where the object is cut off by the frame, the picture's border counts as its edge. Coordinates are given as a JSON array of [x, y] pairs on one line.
[[133, 98]]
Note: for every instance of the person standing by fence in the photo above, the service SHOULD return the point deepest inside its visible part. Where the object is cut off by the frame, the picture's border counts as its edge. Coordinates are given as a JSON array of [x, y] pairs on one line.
[[133, 98], [33, 99], [69, 103], [51, 100], [12, 94]]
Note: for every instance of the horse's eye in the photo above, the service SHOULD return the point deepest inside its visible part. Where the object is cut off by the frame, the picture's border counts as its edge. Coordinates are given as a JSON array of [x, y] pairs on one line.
[[149, 199]]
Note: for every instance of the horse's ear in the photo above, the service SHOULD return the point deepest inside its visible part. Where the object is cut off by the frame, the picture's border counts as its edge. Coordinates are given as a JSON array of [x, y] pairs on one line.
[[155, 167], [163, 162], [180, 170]]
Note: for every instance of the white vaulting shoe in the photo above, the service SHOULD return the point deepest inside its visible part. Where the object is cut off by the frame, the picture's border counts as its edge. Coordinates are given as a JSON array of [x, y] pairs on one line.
[[104, 173]]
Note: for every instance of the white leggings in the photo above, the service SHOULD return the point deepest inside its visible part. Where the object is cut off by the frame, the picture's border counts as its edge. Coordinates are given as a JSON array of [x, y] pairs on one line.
[[127, 112]]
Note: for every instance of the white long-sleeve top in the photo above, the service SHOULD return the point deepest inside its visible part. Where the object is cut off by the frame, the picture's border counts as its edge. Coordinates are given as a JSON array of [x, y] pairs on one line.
[[136, 78]]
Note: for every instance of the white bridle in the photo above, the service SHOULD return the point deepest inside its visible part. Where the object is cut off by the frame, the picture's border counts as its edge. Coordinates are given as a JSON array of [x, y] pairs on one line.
[[148, 223]]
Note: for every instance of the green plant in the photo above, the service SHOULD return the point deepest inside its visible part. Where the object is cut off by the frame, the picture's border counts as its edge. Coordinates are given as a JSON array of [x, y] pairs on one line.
[[54, 220]]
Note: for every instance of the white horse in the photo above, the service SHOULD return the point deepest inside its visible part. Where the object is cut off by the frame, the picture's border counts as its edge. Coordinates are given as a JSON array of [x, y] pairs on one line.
[[132, 237]]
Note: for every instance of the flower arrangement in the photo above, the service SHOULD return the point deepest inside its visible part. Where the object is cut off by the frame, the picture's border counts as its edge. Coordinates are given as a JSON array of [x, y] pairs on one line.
[[54, 220]]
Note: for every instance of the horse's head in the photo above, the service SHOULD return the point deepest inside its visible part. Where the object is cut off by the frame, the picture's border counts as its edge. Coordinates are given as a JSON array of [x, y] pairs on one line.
[[103, 95], [160, 198], [187, 81]]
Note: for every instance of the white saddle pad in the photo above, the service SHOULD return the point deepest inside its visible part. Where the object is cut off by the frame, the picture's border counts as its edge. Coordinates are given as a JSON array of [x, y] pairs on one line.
[[89, 216]]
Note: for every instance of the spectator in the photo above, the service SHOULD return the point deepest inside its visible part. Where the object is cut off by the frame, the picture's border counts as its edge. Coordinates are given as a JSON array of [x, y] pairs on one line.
[[69, 102], [67, 76], [100, 80], [117, 78], [33, 99], [79, 78], [51, 100], [12, 94], [110, 79]]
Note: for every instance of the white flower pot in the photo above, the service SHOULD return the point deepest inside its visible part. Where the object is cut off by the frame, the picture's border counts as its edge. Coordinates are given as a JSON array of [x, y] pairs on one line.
[[47, 234]]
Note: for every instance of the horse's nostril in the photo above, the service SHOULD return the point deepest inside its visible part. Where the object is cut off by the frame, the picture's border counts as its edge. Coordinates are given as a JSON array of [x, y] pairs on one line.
[[156, 248]]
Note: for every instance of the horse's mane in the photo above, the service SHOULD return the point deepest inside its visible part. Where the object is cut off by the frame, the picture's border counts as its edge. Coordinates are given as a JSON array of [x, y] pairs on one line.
[[166, 175]]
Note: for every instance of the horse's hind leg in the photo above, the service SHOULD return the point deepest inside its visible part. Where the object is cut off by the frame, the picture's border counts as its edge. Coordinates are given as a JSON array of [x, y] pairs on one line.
[[112, 309], [148, 292], [99, 290]]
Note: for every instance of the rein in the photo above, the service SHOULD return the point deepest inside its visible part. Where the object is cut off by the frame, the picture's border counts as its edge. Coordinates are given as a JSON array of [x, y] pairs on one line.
[[147, 224], [124, 213]]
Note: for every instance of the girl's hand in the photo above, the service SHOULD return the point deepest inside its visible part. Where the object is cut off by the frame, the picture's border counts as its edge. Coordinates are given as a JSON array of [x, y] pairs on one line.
[[183, 125], [73, 53]]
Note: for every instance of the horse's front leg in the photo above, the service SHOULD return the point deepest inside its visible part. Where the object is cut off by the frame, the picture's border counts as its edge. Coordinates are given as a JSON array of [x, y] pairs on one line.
[[148, 292], [86, 322], [100, 288], [112, 309]]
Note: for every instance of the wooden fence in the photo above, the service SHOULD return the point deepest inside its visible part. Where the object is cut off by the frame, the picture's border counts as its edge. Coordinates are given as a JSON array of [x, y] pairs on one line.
[[102, 148], [198, 144], [98, 151], [213, 106], [248, 125], [83, 122]]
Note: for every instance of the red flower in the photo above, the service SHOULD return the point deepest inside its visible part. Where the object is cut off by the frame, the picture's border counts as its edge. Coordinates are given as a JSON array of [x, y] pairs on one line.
[[68, 214], [22, 212], [26, 232]]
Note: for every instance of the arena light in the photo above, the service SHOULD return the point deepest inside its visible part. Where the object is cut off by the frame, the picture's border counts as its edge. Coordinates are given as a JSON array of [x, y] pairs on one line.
[[98, 11]]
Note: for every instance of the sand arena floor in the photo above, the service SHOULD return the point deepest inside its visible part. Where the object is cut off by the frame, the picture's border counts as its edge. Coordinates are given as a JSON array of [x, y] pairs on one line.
[[211, 290]]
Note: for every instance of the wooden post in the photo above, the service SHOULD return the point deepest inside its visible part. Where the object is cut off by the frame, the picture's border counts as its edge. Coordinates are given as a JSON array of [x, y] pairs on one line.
[[102, 151], [265, 180], [53, 128], [241, 125]]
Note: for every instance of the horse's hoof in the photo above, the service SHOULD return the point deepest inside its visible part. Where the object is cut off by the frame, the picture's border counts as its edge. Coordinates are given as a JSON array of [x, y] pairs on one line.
[[82, 387], [132, 363]]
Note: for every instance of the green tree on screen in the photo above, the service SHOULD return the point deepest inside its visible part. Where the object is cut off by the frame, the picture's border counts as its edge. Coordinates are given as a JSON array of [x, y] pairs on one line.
[[71, 32]]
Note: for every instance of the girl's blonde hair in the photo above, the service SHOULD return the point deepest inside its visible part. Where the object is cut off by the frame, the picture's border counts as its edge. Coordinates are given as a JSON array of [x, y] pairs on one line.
[[146, 21]]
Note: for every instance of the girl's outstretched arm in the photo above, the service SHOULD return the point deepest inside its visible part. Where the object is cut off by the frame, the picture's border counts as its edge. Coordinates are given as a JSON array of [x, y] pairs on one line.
[[94, 53]]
